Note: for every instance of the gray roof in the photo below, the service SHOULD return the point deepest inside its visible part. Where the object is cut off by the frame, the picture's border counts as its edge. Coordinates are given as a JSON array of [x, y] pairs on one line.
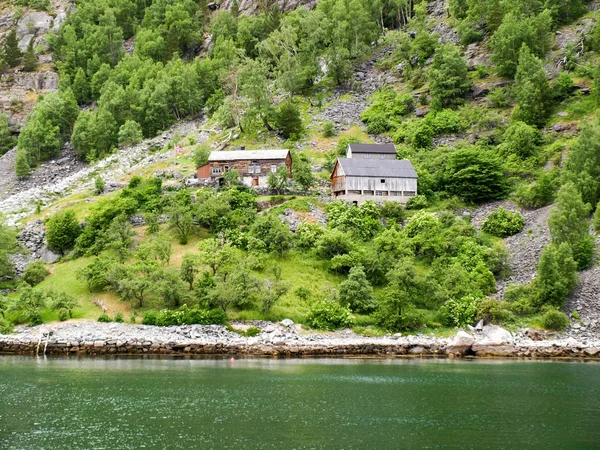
[[391, 168], [373, 148], [237, 155]]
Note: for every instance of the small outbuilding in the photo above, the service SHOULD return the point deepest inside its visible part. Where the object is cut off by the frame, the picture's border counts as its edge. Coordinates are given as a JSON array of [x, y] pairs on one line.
[[358, 180], [254, 166], [371, 151]]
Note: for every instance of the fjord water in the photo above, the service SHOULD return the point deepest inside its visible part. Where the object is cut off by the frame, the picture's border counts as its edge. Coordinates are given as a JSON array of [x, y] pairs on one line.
[[297, 404]]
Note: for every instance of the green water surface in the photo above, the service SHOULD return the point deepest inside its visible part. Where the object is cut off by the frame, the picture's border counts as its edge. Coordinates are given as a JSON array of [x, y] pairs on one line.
[[297, 404]]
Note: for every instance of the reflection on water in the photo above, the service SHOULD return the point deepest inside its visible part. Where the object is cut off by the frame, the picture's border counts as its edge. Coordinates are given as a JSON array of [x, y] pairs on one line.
[[120, 403]]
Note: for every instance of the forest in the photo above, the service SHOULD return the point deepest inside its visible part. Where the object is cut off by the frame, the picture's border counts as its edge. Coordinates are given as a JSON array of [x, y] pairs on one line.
[[129, 69]]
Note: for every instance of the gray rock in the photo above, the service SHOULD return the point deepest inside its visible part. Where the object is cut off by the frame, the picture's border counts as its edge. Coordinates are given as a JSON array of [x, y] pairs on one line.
[[48, 256], [287, 322]]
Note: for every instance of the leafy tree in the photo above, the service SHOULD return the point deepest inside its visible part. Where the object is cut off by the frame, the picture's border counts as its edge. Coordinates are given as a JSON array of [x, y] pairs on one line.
[[62, 230], [448, 76], [273, 232], [568, 224], [279, 180], [476, 175], [288, 121], [556, 275], [532, 90], [35, 273], [7, 140], [169, 286], [64, 304], [216, 255], [201, 154], [81, 87], [302, 174], [521, 140], [333, 242], [30, 59], [22, 168], [274, 290], [356, 292], [515, 32], [94, 134], [583, 163], [189, 269], [95, 273], [152, 224], [181, 222], [130, 134], [8, 245], [10, 50], [118, 237], [29, 305]]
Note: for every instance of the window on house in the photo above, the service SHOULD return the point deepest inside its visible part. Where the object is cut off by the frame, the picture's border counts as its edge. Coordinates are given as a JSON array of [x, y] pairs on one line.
[[367, 156], [382, 180], [382, 156], [273, 168], [216, 171]]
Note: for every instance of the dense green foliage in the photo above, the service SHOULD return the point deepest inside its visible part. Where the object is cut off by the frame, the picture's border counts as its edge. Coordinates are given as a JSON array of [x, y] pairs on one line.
[[503, 223]]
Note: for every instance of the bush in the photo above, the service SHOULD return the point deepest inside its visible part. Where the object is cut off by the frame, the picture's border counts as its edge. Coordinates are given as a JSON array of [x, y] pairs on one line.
[[328, 129], [149, 318], [329, 315], [63, 315], [99, 185], [185, 316], [288, 121], [388, 107], [553, 319], [417, 202], [492, 310], [104, 318], [502, 223], [201, 154], [460, 313], [539, 194], [35, 273], [130, 134], [119, 317], [62, 230], [5, 326]]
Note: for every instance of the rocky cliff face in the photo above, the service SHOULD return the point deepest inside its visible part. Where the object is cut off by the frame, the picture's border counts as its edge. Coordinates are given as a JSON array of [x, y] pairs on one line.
[[19, 90], [253, 6]]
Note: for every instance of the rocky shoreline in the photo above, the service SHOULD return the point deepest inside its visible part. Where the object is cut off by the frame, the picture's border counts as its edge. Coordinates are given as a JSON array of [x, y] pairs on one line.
[[278, 340]]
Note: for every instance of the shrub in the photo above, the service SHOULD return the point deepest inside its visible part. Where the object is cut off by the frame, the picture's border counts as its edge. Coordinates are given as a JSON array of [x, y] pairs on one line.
[[63, 315], [329, 315], [417, 202], [104, 318], [99, 185], [553, 319], [492, 310], [596, 219], [35, 273], [119, 317], [5, 326], [130, 134], [461, 312], [388, 107], [62, 230], [502, 223], [328, 129], [538, 194], [201, 154], [185, 316], [356, 292], [149, 318]]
